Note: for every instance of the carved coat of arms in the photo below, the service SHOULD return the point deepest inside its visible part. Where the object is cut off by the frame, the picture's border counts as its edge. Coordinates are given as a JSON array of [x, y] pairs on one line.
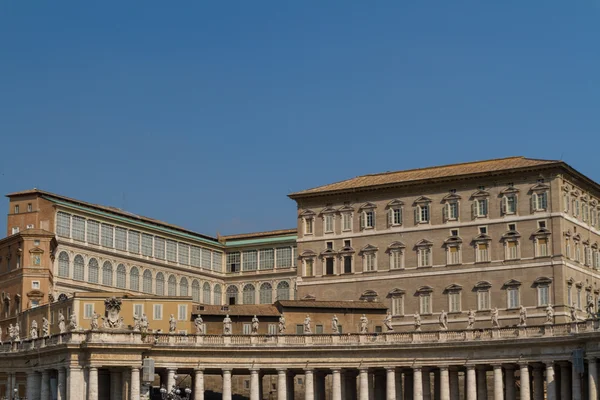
[[112, 320]]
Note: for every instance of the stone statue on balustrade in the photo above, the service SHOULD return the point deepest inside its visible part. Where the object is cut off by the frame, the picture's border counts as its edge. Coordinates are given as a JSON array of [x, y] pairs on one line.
[[45, 327], [281, 324], [62, 328], [549, 314], [589, 308], [573, 313], [227, 325], [522, 315], [307, 329], [137, 323], [495, 320], [34, 329], [73, 322], [444, 320], [417, 321], [14, 332], [94, 322], [471, 320], [387, 321], [112, 319], [172, 324], [199, 324], [255, 325], [335, 328], [364, 323]]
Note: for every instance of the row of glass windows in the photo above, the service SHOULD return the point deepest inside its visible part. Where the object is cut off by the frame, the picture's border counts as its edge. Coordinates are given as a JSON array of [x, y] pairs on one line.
[[263, 259], [582, 209], [265, 293], [116, 237], [422, 212], [481, 290], [590, 256]]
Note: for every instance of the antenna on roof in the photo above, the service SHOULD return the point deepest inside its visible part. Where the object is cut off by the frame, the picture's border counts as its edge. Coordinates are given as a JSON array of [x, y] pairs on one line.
[[561, 156]]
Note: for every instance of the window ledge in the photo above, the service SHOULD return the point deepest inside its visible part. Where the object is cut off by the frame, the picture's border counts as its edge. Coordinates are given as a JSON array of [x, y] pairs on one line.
[[370, 272], [424, 266], [397, 269]]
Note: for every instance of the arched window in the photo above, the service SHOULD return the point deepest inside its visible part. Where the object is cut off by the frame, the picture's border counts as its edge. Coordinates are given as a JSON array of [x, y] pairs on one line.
[[283, 290], [160, 284], [63, 264], [121, 276], [147, 281], [78, 267], [196, 291], [134, 279], [172, 286], [232, 295], [217, 295], [183, 287], [266, 293], [93, 271], [249, 294], [206, 293], [107, 272]]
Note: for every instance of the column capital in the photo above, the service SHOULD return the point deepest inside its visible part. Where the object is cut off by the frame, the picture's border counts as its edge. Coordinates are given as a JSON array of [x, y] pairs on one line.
[[309, 370], [444, 367], [523, 364], [92, 367], [365, 369], [136, 367], [199, 370], [388, 368], [549, 363], [336, 370], [281, 370], [254, 370], [497, 366], [417, 368], [226, 369], [592, 358], [470, 367]]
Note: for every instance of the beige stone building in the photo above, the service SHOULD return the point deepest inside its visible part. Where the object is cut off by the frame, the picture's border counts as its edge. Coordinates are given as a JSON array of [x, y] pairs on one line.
[[488, 269]]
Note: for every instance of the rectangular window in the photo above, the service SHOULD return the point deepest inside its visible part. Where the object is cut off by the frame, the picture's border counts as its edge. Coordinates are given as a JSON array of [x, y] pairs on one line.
[[453, 255], [367, 219], [369, 260], [540, 201], [329, 266], [422, 214], [35, 285], [157, 312], [425, 303], [308, 226], [347, 264], [249, 260], [542, 247], [88, 310], [29, 207], [510, 204], [16, 209], [481, 208], [63, 224], [512, 250], [543, 295], [346, 221], [569, 295], [217, 260], [483, 300], [396, 259], [424, 257], [482, 252], [159, 248], [171, 251], [93, 231], [233, 262], [78, 228], [182, 312], [133, 243], [196, 256], [398, 305], [138, 309], [585, 212], [184, 254], [328, 221], [120, 238], [107, 235], [308, 267], [284, 257], [319, 329], [566, 202], [453, 210], [272, 329], [147, 245], [579, 298], [207, 259], [395, 216], [513, 297], [247, 328], [267, 259], [454, 302], [299, 329]]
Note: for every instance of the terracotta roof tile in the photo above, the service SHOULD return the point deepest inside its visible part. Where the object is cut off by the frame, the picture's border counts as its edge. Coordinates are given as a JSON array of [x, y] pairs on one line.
[[444, 171]]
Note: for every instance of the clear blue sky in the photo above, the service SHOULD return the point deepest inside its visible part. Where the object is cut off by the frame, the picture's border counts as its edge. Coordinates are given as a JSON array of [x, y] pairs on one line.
[[207, 114]]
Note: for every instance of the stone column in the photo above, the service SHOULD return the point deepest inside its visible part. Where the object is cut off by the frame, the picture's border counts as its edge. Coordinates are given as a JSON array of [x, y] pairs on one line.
[[363, 384], [565, 381], [92, 384], [30, 388], [134, 393], [417, 383], [115, 385], [592, 379], [390, 384], [282, 384], [309, 385], [254, 386], [550, 381], [171, 372], [509, 382], [336, 389], [481, 383], [74, 383], [454, 389], [538, 383], [61, 392], [45, 385], [198, 384], [524, 380], [498, 384], [575, 384], [471, 383], [226, 384], [444, 383]]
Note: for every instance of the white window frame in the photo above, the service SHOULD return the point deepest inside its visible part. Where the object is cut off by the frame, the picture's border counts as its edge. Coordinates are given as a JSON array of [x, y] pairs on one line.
[[452, 210], [139, 306], [329, 223], [309, 225], [35, 285], [505, 204], [347, 219], [449, 253], [425, 303], [481, 208], [482, 255], [397, 259], [423, 213], [509, 297], [395, 216], [88, 310], [454, 298], [540, 290], [425, 256], [182, 312], [538, 247], [397, 304], [157, 312], [369, 262], [540, 201], [368, 219], [305, 262], [507, 250], [483, 300]]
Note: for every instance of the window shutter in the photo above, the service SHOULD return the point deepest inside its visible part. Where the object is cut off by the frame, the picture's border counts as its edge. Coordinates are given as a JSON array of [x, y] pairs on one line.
[[417, 215], [487, 208], [390, 217], [362, 220], [504, 205], [474, 209], [400, 214], [532, 202], [457, 210]]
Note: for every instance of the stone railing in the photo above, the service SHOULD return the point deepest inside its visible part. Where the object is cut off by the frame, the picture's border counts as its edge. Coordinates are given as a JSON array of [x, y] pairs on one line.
[[100, 337]]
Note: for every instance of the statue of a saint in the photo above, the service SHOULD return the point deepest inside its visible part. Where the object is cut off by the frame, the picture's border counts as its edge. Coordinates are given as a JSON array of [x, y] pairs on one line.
[[144, 323], [73, 322], [199, 324], [573, 310], [94, 322], [417, 321], [471, 319], [255, 325], [364, 322], [549, 314], [388, 322], [522, 315], [444, 320], [281, 324], [137, 323], [45, 327], [62, 328], [227, 325], [335, 325], [495, 321], [172, 324], [589, 308], [34, 329], [307, 329]]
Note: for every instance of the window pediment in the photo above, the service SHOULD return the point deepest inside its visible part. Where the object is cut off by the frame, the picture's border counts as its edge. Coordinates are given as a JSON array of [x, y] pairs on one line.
[[328, 210], [424, 243], [568, 233], [308, 254], [570, 281], [36, 250], [396, 292], [566, 188], [395, 203], [307, 214], [595, 245], [542, 280], [346, 209], [540, 187], [510, 190], [453, 288], [396, 246], [328, 253], [368, 206], [483, 285], [453, 240], [480, 193], [586, 242], [369, 249], [309, 297], [511, 283], [577, 237], [422, 200], [35, 294], [593, 203], [511, 235], [346, 250], [575, 193], [424, 289], [451, 197], [369, 295], [542, 232], [482, 237]]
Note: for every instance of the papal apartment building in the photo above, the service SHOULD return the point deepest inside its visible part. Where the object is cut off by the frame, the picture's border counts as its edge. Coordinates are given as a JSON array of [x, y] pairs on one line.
[[451, 253]]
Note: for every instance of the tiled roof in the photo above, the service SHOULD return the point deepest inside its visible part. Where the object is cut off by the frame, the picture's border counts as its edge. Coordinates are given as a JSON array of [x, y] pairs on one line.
[[350, 305], [253, 235], [113, 210], [413, 175], [238, 310]]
